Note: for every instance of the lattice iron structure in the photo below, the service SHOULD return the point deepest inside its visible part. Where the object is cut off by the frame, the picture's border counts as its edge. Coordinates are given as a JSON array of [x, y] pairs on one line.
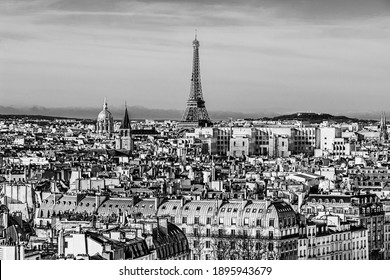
[[196, 113]]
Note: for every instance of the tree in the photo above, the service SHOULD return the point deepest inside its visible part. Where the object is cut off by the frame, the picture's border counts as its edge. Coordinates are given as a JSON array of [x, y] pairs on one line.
[[220, 245], [197, 240]]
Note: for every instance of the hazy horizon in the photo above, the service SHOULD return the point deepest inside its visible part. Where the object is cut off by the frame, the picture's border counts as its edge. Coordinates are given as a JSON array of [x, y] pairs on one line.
[[271, 56], [141, 112]]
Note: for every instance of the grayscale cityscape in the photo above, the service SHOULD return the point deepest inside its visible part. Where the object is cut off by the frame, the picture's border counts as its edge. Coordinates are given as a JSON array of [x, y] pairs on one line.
[[299, 175]]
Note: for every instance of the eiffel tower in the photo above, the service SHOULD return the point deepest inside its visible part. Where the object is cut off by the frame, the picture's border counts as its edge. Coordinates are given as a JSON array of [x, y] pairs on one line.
[[196, 113]]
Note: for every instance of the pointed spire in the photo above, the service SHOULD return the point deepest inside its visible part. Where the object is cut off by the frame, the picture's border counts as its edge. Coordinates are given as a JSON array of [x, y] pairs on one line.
[[126, 120], [196, 34], [105, 104]]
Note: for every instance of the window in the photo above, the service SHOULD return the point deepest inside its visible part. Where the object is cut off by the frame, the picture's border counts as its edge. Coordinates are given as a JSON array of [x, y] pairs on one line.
[[196, 232], [258, 222], [271, 235], [196, 220], [229, 210], [221, 221], [246, 221], [208, 232], [254, 210], [233, 221], [271, 222], [247, 210], [233, 232], [220, 232], [208, 221], [198, 208], [207, 244], [184, 220], [232, 245], [258, 233]]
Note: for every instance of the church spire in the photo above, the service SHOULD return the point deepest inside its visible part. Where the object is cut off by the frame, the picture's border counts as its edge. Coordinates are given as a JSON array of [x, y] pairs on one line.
[[384, 136], [126, 120]]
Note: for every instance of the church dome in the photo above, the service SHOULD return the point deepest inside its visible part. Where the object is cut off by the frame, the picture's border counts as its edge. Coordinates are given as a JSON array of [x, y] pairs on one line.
[[105, 115], [105, 121]]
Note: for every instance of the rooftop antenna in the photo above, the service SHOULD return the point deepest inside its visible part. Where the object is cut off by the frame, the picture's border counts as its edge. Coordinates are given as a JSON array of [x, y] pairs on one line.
[[196, 34]]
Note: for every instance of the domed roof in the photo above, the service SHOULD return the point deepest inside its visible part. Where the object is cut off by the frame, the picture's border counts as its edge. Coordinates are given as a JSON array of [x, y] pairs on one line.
[[105, 114]]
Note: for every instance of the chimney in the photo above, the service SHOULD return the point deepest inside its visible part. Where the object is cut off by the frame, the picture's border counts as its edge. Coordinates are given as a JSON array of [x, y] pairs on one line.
[[157, 201], [182, 201], [61, 243]]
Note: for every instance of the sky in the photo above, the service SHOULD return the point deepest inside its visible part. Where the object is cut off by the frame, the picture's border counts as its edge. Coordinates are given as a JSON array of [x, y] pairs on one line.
[[257, 56]]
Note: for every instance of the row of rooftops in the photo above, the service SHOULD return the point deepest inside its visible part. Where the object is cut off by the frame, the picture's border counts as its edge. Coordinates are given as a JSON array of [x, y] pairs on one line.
[[61, 204]]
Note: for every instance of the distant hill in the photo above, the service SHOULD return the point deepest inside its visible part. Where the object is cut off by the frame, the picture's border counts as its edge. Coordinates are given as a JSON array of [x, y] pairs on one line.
[[41, 119], [305, 117], [315, 118], [32, 117]]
